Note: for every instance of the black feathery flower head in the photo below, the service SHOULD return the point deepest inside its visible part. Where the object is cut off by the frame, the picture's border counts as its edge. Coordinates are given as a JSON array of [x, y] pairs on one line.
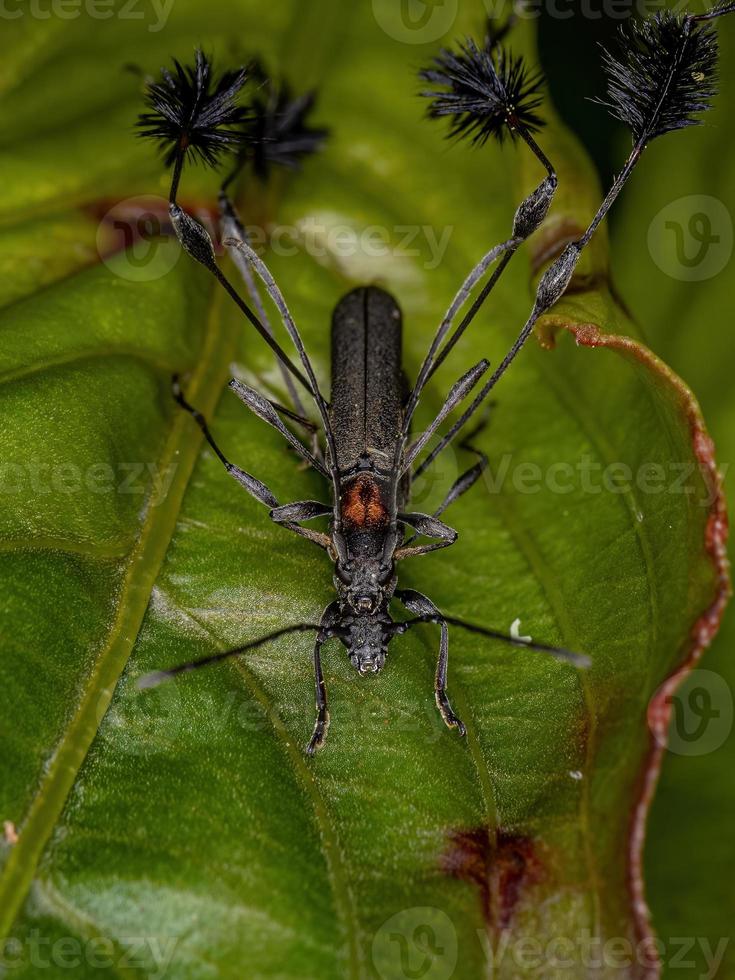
[[663, 73], [277, 132], [485, 92], [194, 114]]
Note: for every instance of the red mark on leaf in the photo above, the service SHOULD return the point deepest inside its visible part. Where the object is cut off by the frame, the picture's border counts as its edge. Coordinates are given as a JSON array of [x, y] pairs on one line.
[[501, 870]]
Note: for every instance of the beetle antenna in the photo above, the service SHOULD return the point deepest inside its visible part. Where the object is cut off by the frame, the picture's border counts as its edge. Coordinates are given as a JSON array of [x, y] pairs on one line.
[[580, 660], [231, 226], [663, 75], [194, 116], [277, 297], [159, 676], [276, 133], [485, 92]]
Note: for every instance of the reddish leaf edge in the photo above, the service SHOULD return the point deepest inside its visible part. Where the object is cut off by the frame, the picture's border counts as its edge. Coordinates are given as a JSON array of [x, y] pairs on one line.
[[705, 627]]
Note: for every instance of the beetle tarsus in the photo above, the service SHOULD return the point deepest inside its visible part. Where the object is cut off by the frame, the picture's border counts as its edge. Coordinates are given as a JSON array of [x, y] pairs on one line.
[[451, 720], [319, 736]]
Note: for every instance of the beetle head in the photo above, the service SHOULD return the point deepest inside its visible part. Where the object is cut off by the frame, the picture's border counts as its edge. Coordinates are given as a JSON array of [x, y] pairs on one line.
[[364, 586], [367, 644]]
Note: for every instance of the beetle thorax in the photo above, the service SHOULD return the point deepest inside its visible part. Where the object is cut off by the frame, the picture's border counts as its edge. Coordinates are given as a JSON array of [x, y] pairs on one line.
[[364, 585]]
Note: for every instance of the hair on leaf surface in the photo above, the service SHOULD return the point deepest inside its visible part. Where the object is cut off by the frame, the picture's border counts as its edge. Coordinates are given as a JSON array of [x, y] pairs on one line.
[[484, 91], [662, 74], [192, 113]]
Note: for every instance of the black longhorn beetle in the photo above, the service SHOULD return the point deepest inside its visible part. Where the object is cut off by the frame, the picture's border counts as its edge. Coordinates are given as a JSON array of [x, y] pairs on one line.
[[662, 75]]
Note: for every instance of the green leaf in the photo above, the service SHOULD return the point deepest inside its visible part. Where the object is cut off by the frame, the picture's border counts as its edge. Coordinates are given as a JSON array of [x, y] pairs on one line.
[[186, 826], [688, 321]]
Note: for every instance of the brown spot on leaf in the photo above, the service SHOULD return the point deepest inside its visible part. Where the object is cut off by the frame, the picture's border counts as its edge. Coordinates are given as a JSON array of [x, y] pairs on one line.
[[500, 868], [10, 833]]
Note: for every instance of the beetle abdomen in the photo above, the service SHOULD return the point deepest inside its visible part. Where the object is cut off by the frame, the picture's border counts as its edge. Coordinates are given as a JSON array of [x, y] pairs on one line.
[[367, 380]]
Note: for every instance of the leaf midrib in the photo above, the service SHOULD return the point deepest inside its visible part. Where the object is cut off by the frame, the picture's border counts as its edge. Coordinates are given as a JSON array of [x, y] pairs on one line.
[[145, 561], [142, 571], [147, 358]]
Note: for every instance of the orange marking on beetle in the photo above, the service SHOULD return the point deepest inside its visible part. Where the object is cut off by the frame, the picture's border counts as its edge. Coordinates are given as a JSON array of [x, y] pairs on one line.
[[362, 504]]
